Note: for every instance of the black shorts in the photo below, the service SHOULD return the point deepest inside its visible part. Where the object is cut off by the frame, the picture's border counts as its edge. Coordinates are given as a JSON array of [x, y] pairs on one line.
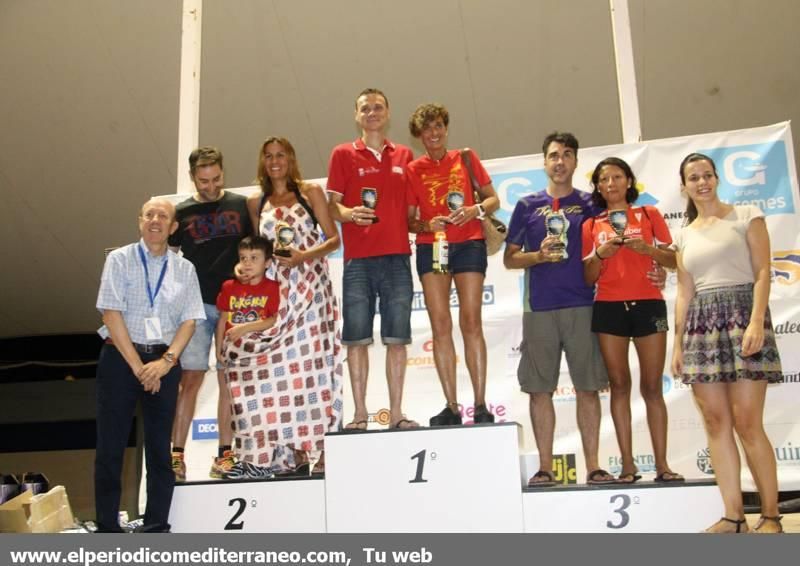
[[631, 319]]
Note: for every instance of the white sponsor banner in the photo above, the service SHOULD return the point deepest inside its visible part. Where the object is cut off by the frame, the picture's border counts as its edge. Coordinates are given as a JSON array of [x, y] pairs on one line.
[[755, 166]]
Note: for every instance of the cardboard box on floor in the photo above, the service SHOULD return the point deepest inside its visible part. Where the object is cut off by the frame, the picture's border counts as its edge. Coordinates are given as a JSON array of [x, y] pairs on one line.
[[44, 513]]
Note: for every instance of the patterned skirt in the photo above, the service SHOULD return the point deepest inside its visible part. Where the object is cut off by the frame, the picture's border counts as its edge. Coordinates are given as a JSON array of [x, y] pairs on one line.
[[712, 340]]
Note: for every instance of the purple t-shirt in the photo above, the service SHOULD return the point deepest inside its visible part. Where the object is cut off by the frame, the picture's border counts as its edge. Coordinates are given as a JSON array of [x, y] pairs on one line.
[[553, 285]]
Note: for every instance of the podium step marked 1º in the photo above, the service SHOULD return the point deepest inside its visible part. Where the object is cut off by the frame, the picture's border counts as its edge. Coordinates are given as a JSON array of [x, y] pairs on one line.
[[449, 479]]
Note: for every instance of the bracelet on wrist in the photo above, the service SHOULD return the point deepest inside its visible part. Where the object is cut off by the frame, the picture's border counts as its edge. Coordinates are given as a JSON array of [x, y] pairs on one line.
[[598, 256]]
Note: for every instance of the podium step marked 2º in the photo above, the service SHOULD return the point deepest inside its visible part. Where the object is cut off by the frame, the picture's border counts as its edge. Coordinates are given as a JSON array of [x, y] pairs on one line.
[[448, 479], [284, 505]]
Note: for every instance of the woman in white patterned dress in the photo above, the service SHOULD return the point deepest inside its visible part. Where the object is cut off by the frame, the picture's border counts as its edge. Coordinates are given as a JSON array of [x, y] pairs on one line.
[[286, 382]]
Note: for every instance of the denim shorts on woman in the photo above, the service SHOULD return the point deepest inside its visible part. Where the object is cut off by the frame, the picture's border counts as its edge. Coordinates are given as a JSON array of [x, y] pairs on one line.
[[465, 257], [631, 319], [388, 279]]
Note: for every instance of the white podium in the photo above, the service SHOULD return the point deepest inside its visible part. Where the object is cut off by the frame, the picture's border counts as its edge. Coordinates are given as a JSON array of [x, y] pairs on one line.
[[283, 505], [643, 507], [449, 479]]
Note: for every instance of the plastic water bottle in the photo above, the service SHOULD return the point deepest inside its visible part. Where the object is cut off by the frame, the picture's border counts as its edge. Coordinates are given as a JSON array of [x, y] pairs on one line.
[[441, 253]]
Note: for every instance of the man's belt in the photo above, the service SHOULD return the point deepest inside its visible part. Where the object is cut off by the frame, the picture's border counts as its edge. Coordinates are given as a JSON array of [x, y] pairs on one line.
[[155, 349]]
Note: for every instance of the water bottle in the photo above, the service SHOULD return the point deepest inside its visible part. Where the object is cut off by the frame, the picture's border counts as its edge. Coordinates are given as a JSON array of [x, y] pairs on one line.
[[441, 253]]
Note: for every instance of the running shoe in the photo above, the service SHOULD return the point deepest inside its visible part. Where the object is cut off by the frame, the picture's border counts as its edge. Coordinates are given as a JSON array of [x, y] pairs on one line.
[[222, 465], [179, 466]]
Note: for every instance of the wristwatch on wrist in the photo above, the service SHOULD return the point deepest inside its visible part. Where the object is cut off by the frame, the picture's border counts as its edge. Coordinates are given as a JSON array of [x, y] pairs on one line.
[[170, 357], [481, 211]]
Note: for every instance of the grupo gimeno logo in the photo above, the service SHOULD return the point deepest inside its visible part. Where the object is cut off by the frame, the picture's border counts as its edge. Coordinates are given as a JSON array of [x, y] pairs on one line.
[[755, 174], [418, 300], [204, 429], [513, 186], [786, 267], [704, 461]]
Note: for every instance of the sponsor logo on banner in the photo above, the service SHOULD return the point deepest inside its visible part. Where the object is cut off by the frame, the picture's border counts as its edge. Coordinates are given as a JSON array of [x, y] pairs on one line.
[[418, 301], [644, 198], [786, 267], [704, 461], [646, 463], [424, 359], [204, 429], [791, 377], [513, 186], [381, 417], [787, 455], [755, 174], [786, 328], [564, 469], [500, 413], [566, 393], [673, 384]]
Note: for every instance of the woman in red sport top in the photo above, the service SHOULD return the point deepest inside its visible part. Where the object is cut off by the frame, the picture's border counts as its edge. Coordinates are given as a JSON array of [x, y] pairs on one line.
[[435, 180], [619, 248]]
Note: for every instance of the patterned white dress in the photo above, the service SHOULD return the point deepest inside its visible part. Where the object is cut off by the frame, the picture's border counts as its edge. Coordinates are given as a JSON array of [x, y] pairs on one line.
[[286, 382]]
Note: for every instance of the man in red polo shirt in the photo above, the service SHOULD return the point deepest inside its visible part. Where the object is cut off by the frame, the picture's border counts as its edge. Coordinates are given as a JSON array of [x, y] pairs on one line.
[[367, 188]]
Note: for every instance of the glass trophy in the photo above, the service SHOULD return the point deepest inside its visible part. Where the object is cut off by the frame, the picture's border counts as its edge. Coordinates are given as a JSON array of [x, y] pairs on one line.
[[369, 199]]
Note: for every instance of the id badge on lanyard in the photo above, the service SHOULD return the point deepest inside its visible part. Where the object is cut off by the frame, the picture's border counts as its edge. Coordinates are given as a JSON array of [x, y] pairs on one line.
[[152, 324]]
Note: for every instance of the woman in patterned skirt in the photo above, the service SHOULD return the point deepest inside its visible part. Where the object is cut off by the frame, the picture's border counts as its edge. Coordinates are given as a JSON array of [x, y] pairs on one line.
[[286, 382], [724, 340]]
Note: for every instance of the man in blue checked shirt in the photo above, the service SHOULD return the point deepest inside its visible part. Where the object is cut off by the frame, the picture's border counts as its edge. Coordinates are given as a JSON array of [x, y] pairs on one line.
[[150, 299]]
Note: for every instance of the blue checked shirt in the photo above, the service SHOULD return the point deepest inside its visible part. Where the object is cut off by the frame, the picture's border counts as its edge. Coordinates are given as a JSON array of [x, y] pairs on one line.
[[123, 288]]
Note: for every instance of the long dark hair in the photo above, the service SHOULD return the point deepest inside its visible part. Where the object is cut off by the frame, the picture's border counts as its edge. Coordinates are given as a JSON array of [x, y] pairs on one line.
[[294, 180], [691, 208], [630, 195]]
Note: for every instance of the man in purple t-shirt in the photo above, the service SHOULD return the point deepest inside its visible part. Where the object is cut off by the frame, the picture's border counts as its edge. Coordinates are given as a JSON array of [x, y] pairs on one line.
[[559, 311]]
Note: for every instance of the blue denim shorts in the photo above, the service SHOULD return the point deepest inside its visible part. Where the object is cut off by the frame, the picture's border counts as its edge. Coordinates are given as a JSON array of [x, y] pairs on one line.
[[388, 279], [465, 257], [195, 356]]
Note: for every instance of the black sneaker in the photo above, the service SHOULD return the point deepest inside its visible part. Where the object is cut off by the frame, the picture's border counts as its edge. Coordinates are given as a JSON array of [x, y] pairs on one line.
[[482, 415], [446, 418]]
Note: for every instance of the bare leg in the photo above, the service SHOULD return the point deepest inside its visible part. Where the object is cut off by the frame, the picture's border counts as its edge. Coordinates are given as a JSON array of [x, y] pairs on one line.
[[191, 380], [358, 365], [436, 287], [224, 417], [652, 352], [395, 375], [543, 420], [470, 294], [715, 406], [615, 355], [747, 400], [588, 409]]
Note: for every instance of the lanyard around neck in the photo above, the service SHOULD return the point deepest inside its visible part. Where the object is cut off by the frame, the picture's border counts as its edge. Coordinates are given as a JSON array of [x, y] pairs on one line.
[[150, 294]]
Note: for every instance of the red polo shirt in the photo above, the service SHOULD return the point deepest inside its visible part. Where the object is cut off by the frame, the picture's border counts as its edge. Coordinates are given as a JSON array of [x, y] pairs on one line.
[[354, 167]]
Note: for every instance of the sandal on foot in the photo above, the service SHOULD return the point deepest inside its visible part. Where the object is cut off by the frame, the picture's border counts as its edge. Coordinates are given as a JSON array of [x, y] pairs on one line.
[[669, 477], [356, 426], [595, 477], [741, 526], [628, 478], [536, 481], [404, 424], [763, 520]]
